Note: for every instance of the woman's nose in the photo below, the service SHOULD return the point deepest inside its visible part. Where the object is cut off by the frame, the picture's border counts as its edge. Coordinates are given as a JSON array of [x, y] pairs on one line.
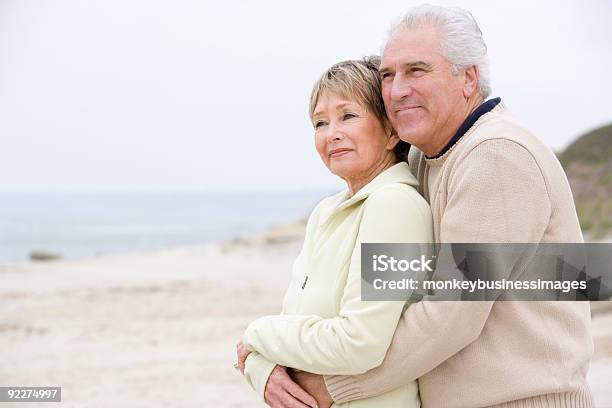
[[334, 132]]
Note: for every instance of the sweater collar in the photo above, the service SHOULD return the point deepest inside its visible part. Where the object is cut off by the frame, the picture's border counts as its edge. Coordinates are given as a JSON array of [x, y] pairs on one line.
[[398, 173], [497, 106], [483, 108]]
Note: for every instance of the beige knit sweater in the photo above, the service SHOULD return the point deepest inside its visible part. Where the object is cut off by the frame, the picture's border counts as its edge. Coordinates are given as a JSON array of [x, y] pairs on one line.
[[497, 184]]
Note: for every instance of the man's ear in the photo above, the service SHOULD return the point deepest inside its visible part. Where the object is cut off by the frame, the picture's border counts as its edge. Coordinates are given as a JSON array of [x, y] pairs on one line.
[[470, 86]]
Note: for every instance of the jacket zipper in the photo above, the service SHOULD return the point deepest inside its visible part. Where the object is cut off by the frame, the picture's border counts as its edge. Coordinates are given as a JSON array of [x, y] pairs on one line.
[[305, 280]]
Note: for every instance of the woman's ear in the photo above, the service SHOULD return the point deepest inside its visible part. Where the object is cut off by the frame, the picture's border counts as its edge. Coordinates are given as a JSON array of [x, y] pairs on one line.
[[393, 139]]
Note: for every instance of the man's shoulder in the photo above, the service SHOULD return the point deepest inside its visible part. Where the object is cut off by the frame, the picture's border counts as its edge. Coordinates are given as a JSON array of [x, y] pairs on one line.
[[500, 127]]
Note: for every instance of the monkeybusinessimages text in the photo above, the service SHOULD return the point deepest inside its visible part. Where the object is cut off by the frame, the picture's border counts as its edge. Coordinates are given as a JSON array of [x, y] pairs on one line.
[[423, 264]]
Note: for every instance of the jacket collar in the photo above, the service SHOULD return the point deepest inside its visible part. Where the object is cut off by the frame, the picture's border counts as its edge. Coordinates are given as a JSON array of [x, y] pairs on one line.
[[398, 173]]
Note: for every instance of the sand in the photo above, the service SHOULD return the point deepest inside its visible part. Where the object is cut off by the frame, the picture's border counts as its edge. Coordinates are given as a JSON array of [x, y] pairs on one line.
[[159, 328]]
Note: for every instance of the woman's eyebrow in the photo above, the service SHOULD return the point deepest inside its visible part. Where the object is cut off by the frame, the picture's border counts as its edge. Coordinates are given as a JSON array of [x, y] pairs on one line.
[[316, 115], [339, 107], [342, 105]]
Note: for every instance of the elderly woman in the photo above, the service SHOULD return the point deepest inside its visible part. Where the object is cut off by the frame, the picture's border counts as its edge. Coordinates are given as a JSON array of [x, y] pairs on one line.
[[325, 327]]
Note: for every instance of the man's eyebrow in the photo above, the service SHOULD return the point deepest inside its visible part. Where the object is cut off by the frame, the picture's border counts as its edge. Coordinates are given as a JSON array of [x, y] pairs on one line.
[[411, 64], [418, 64], [383, 70]]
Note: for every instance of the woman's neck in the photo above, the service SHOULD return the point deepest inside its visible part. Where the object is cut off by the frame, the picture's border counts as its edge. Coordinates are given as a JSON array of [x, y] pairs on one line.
[[358, 182]]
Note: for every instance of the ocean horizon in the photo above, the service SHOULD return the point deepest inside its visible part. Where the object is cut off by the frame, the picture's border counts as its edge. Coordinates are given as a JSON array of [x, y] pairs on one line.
[[77, 225]]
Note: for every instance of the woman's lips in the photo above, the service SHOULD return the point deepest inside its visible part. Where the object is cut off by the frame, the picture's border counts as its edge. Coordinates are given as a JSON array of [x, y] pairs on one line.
[[339, 152]]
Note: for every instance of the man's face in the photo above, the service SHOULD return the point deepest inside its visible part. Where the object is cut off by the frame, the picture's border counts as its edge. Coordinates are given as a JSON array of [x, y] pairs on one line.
[[423, 98]]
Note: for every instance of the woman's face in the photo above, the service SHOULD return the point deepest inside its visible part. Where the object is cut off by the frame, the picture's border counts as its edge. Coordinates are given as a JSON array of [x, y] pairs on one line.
[[351, 141]]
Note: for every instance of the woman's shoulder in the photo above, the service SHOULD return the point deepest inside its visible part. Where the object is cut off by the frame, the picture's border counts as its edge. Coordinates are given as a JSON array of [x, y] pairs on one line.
[[396, 212], [327, 205], [330, 201], [398, 197], [398, 191]]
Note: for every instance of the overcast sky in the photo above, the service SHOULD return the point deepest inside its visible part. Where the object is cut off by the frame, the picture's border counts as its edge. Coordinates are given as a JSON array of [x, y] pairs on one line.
[[116, 95]]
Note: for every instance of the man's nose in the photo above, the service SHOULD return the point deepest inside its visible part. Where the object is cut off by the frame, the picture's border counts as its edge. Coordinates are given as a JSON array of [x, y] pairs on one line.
[[400, 88]]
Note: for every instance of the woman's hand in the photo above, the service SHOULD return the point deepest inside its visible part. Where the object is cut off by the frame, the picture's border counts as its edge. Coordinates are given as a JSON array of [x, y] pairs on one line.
[[242, 354]]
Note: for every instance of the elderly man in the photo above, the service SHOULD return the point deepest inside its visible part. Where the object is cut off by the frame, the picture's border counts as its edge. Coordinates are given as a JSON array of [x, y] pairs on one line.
[[487, 179]]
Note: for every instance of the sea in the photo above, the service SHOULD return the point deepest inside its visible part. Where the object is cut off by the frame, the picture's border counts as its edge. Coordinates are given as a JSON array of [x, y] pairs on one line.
[[83, 225]]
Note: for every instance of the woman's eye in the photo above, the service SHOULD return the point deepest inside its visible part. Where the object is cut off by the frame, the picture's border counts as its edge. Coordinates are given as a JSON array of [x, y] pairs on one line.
[[348, 116], [319, 124]]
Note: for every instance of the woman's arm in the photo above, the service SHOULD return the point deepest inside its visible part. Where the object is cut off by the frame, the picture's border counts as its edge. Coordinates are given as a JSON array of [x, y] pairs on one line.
[[357, 339], [257, 370]]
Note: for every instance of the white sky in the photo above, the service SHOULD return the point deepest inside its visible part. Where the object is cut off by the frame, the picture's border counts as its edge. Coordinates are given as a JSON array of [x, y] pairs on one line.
[[190, 95]]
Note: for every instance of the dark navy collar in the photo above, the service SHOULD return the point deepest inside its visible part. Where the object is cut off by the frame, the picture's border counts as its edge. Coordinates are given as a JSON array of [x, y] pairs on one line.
[[485, 107]]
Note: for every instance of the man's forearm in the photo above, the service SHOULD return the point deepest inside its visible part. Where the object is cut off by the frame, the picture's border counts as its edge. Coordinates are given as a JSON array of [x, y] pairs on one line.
[[428, 334]]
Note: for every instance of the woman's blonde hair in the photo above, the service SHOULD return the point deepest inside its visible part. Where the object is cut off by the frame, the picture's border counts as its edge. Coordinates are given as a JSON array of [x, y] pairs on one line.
[[358, 80]]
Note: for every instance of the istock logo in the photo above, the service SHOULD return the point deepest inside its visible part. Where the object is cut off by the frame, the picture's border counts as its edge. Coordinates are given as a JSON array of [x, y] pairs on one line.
[[384, 263]]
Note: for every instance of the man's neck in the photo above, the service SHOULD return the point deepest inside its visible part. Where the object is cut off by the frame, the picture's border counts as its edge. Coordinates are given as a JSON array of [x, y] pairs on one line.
[[453, 126]]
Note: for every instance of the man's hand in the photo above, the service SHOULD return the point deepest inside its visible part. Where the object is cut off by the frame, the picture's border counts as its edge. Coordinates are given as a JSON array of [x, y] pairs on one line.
[[314, 385], [283, 392]]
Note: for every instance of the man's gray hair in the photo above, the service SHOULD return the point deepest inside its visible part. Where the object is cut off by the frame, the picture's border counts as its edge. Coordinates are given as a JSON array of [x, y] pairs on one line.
[[462, 43]]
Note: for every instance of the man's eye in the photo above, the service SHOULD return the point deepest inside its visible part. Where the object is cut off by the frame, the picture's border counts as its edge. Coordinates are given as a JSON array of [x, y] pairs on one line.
[[385, 75], [417, 70]]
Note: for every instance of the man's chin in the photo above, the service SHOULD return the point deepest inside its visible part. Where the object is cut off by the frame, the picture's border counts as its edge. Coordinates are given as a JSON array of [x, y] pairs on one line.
[[410, 135]]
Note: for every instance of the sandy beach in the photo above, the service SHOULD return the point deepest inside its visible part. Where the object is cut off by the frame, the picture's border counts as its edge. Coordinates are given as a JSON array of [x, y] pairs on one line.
[[159, 328]]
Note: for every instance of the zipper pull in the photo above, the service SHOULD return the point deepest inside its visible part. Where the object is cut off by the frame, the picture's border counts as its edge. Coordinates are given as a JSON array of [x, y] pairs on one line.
[[304, 284]]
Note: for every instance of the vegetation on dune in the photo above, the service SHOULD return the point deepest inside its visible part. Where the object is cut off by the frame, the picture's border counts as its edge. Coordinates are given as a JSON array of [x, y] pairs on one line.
[[588, 164]]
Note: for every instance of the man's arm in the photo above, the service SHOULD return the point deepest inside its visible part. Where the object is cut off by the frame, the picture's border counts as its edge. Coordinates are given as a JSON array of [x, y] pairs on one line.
[[497, 194]]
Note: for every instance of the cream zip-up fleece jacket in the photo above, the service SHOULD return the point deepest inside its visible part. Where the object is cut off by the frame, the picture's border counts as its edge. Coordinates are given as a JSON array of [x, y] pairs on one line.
[[497, 184], [324, 327]]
